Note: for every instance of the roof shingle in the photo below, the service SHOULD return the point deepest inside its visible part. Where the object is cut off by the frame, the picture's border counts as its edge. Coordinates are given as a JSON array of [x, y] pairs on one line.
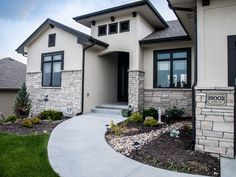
[[12, 73], [175, 31]]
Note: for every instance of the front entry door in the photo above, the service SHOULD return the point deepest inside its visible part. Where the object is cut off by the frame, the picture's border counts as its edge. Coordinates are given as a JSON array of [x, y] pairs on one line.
[[123, 67]]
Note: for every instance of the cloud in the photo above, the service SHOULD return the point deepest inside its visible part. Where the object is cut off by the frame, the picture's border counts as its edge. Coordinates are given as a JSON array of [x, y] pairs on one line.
[[19, 18]]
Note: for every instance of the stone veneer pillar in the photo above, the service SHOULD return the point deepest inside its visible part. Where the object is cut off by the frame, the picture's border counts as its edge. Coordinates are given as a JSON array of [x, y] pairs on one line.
[[66, 98], [136, 89], [215, 123]]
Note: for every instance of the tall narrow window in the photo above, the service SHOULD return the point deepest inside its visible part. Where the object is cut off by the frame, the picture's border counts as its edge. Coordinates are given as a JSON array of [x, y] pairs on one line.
[[172, 68], [52, 64], [102, 30], [52, 40], [124, 26], [113, 28]]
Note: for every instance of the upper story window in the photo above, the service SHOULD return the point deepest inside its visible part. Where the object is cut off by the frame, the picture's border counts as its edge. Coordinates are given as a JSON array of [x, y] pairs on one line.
[[102, 30], [124, 26], [51, 40], [113, 28], [52, 64], [172, 68]]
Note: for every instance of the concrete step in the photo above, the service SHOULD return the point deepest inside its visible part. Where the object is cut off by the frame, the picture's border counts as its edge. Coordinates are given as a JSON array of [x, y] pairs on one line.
[[106, 111], [112, 106]]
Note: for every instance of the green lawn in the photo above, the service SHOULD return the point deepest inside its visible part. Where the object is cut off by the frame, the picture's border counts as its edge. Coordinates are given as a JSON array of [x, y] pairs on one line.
[[24, 156]]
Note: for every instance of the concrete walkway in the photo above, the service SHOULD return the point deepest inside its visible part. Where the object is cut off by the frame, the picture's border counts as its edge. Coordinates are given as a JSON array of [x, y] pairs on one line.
[[77, 148], [228, 167]]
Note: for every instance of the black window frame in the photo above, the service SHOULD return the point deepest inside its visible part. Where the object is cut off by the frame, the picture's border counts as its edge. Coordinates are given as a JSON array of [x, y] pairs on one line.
[[171, 60], [127, 30], [109, 28], [101, 34], [51, 62], [52, 40]]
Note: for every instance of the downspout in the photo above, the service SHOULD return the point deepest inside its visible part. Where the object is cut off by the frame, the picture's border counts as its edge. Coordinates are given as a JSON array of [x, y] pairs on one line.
[[194, 85], [83, 73]]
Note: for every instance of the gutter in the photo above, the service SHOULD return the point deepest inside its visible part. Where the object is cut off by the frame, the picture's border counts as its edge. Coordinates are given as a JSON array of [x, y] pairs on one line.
[[194, 85], [83, 73]]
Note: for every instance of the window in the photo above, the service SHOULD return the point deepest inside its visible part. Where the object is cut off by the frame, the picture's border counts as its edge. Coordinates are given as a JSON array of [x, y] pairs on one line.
[[172, 68], [52, 64], [113, 28], [124, 26], [102, 30], [51, 40]]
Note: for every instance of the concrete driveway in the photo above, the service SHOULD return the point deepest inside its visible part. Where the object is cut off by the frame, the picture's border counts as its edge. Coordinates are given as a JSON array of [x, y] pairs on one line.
[[77, 148]]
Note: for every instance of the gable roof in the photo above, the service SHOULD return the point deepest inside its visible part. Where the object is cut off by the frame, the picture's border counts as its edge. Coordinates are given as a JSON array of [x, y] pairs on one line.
[[174, 32], [82, 37], [12, 74], [123, 7]]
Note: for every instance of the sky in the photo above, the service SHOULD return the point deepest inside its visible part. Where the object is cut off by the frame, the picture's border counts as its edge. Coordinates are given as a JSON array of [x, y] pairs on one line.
[[20, 18]]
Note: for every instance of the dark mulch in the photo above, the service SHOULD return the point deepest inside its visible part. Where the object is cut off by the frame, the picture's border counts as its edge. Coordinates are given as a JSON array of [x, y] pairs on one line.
[[174, 154], [17, 128]]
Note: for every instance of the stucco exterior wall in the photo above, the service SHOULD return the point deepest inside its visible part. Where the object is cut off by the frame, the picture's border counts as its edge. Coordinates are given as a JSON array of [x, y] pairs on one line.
[[215, 23], [127, 41], [7, 100], [100, 79], [64, 42]]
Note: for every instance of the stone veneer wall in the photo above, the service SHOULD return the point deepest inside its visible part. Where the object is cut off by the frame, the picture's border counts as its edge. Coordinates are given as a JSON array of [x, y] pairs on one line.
[[136, 89], [165, 98], [66, 98], [215, 124]]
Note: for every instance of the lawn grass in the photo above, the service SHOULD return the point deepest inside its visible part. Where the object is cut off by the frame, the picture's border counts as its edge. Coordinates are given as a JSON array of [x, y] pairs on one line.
[[24, 156]]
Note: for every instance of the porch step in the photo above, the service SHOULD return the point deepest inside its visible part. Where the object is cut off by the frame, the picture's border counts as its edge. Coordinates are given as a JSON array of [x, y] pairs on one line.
[[106, 111], [112, 106], [114, 109]]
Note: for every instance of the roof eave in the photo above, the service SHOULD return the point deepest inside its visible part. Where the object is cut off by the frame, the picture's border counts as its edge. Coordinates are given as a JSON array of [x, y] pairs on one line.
[[122, 7], [170, 39]]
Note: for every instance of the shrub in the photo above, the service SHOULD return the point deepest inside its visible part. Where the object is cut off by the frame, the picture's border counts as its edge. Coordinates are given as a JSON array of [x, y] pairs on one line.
[[152, 112], [150, 122], [11, 119], [35, 120], [22, 103], [27, 123], [136, 117], [51, 115], [115, 129], [174, 113]]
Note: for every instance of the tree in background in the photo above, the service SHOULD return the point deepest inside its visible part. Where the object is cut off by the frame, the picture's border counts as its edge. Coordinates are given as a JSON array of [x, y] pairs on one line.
[[22, 105]]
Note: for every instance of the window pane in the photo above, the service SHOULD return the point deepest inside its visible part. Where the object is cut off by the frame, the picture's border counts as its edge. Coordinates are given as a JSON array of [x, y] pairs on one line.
[[102, 30], [180, 73], [57, 57], [124, 26], [163, 74], [46, 74], [180, 55], [113, 28], [47, 58], [56, 77], [162, 56]]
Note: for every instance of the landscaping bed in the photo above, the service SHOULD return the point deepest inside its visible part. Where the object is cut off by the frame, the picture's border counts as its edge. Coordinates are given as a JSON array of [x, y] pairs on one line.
[[45, 126], [159, 149]]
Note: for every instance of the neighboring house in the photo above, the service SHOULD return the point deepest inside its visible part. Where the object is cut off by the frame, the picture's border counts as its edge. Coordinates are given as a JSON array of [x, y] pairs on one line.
[[12, 76], [133, 55]]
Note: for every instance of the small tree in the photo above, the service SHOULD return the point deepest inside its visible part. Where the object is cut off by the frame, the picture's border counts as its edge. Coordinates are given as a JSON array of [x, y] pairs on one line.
[[22, 103]]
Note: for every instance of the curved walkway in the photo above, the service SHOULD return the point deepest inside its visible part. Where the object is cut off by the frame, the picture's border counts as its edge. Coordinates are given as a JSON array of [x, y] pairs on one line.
[[77, 148]]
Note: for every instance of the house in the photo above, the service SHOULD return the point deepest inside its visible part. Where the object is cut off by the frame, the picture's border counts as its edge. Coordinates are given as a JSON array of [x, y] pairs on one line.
[[135, 57], [12, 76]]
